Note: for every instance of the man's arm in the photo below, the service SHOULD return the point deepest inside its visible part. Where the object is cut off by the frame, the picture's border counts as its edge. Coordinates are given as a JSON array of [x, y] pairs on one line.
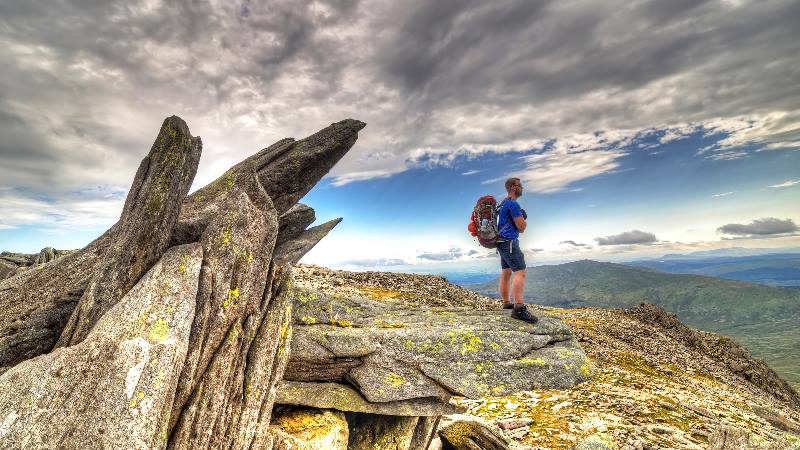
[[518, 216], [520, 223]]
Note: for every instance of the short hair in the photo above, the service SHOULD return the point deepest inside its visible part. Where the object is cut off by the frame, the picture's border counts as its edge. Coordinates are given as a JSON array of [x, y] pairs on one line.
[[510, 183]]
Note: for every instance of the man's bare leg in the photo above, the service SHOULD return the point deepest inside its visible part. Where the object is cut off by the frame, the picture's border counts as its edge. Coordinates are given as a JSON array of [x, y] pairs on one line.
[[518, 286], [505, 278]]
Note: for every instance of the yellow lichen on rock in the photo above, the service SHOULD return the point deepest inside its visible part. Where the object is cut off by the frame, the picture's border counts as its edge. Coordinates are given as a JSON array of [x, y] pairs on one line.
[[159, 330], [394, 379], [317, 429]]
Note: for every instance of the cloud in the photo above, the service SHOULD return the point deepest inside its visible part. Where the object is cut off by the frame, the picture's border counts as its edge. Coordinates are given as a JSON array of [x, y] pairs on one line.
[[90, 208], [471, 172], [341, 180], [572, 243], [723, 194], [627, 238], [768, 226], [379, 262], [451, 254], [786, 183], [555, 171], [85, 85]]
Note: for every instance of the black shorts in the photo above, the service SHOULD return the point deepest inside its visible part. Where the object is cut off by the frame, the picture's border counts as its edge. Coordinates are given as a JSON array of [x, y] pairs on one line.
[[511, 257]]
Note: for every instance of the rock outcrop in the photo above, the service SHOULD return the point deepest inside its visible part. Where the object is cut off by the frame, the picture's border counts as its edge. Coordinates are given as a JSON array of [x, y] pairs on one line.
[[391, 350], [723, 349], [13, 263], [197, 375]]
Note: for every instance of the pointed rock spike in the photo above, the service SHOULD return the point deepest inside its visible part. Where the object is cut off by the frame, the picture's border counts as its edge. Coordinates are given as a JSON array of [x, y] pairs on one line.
[[291, 251]]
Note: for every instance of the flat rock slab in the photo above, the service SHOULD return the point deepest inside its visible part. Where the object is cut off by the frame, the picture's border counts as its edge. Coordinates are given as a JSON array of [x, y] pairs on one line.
[[344, 398], [390, 351]]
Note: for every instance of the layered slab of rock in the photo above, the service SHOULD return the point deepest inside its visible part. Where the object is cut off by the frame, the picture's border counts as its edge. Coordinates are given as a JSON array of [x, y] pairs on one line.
[[391, 352], [345, 398]]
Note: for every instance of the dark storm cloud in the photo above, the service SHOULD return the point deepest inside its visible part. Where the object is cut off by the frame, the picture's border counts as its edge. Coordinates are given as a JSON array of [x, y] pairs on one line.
[[528, 52], [627, 238], [86, 83], [761, 227]]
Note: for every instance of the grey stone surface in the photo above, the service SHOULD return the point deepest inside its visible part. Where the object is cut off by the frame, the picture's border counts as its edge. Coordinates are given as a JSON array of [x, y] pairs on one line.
[[7, 269], [145, 226], [390, 351], [345, 398], [294, 221], [114, 390]]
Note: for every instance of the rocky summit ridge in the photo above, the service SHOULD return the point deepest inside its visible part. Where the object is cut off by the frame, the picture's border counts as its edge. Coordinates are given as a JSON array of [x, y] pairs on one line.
[[181, 326], [190, 325], [655, 383]]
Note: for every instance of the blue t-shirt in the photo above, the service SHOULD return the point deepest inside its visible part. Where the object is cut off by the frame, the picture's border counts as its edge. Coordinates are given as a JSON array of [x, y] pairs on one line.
[[509, 209]]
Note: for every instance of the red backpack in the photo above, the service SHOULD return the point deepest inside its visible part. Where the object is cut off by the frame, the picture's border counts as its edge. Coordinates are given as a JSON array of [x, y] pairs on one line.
[[483, 222]]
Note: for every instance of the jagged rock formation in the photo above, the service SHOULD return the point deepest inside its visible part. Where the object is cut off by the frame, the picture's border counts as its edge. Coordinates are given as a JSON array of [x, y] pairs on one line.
[[197, 375], [13, 263], [127, 368]]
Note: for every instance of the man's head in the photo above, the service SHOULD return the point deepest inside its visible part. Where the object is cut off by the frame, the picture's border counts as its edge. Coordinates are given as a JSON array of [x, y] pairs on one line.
[[514, 187]]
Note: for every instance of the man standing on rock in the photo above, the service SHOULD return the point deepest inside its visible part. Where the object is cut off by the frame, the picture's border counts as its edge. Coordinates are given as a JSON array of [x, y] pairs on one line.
[[511, 221]]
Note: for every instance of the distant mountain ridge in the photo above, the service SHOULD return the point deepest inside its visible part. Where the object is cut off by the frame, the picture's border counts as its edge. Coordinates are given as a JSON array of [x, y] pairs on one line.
[[775, 269]]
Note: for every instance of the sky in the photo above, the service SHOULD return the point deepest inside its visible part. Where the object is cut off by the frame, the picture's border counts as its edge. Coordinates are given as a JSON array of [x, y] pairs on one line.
[[638, 128]]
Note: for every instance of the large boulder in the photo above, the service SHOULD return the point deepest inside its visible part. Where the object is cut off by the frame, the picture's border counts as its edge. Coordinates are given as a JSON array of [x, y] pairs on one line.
[[114, 389], [391, 352]]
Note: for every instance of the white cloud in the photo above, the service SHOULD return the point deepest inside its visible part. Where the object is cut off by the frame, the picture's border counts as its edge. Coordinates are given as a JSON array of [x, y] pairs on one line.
[[723, 194], [786, 183], [95, 209], [347, 178], [554, 171]]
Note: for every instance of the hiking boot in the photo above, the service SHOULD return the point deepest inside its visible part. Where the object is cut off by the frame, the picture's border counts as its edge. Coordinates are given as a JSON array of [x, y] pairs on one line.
[[508, 305], [520, 312]]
